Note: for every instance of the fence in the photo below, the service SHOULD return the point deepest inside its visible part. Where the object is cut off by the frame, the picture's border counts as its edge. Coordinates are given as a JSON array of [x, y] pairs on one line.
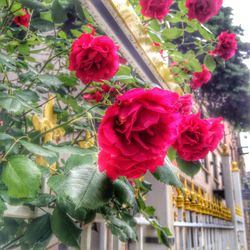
[[201, 222]]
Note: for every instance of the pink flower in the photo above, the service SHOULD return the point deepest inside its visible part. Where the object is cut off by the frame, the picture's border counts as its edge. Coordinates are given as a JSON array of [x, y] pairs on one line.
[[185, 104], [22, 20], [136, 131], [226, 46], [94, 58], [200, 78], [156, 9], [203, 10], [198, 136]]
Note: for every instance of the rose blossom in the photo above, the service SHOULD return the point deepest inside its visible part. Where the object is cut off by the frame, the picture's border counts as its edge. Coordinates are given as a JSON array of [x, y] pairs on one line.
[[22, 20], [203, 10], [198, 136], [94, 58], [226, 47], [136, 132], [156, 9], [200, 78], [185, 104]]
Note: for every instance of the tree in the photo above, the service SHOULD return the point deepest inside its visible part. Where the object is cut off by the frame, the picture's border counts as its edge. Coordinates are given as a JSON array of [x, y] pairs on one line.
[[228, 92]]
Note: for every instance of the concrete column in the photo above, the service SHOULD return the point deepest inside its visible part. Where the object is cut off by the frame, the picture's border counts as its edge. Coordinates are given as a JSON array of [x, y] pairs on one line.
[[229, 194], [239, 202]]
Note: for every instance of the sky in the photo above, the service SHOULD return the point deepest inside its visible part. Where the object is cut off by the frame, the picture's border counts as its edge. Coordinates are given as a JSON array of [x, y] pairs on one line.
[[241, 17]]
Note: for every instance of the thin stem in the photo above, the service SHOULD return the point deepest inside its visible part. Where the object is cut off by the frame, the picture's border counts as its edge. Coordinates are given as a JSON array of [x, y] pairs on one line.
[[82, 91], [13, 144], [50, 59], [40, 105]]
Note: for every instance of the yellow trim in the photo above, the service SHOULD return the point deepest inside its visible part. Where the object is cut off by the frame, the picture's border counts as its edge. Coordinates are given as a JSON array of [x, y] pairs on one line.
[[132, 22], [235, 166]]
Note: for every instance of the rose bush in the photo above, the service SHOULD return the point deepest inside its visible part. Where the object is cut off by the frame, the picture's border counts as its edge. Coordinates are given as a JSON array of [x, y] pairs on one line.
[[48, 121], [94, 58]]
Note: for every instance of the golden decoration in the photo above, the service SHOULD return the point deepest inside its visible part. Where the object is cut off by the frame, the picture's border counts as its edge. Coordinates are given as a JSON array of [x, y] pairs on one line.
[[139, 33], [88, 142], [47, 122], [179, 199], [193, 199], [225, 149], [186, 196], [41, 161], [235, 166]]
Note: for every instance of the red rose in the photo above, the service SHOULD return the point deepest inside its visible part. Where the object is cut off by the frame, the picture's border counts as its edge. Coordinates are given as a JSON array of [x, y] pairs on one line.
[[118, 165], [22, 20], [185, 104], [94, 58], [226, 46], [197, 137], [97, 96], [203, 10], [137, 130], [216, 132], [156, 9], [200, 78]]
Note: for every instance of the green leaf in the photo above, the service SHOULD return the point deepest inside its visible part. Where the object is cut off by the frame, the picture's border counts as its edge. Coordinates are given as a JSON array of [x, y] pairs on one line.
[[166, 174], [32, 4], [27, 95], [79, 10], [16, 9], [71, 150], [3, 3], [50, 81], [86, 187], [123, 192], [155, 25], [206, 33], [210, 63], [75, 33], [121, 229], [190, 168], [62, 34], [38, 232], [24, 49], [4, 137], [171, 154], [12, 104], [59, 14], [22, 177], [55, 182], [78, 160], [38, 150], [7, 61], [2, 207], [42, 200], [171, 33], [81, 214], [123, 70], [41, 24], [64, 228]]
